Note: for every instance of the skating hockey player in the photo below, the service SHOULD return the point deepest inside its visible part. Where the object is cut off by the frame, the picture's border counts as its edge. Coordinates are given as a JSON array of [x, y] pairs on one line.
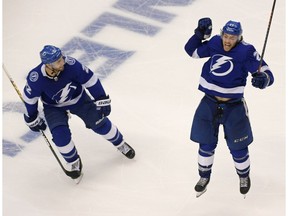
[[223, 79], [61, 83]]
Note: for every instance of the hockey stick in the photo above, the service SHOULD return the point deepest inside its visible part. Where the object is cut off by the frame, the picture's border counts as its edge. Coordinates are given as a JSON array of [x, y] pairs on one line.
[[266, 37], [42, 132]]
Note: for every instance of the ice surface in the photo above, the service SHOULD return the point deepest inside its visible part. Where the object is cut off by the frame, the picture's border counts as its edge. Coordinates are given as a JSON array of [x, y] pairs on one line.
[[137, 50]]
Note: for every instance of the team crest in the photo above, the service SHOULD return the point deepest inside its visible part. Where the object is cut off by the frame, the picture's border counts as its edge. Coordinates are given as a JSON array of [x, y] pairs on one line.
[[33, 77], [221, 65], [69, 60]]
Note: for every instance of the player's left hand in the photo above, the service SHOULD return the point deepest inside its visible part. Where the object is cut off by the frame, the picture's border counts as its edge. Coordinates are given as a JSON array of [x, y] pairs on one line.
[[260, 80], [103, 105]]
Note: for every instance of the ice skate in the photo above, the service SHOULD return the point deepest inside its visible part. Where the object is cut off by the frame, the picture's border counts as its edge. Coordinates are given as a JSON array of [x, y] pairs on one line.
[[201, 186], [245, 184], [77, 180], [126, 150], [75, 172]]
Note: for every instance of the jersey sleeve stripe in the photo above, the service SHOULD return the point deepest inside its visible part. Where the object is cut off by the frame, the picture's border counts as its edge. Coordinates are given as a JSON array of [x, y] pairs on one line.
[[92, 81], [30, 101]]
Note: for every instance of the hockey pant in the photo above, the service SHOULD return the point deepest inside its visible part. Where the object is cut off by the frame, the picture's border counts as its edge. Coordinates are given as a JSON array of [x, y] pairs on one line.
[[57, 121]]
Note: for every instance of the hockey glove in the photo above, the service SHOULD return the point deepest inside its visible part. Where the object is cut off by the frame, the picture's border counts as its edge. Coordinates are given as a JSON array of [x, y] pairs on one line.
[[204, 29], [260, 80], [35, 124], [103, 106]]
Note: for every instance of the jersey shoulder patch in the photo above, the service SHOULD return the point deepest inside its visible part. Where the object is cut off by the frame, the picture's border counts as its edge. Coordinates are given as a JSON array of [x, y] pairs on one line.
[[69, 60], [245, 43], [33, 76]]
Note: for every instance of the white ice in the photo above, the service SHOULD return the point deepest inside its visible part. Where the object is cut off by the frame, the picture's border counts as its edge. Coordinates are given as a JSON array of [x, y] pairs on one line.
[[154, 96]]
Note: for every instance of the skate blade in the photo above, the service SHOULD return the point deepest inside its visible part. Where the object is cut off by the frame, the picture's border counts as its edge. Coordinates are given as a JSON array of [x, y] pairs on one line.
[[198, 194], [78, 180]]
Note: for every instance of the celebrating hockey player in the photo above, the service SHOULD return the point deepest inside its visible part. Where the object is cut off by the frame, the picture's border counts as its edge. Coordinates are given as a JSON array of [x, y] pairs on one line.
[[61, 83], [223, 80]]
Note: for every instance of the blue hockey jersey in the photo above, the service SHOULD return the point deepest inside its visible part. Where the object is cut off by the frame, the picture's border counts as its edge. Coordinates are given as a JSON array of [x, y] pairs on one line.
[[65, 92], [225, 73]]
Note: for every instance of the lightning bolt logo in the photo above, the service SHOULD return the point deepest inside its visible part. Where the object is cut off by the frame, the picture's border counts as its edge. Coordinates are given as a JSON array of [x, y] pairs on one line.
[[63, 94], [219, 63]]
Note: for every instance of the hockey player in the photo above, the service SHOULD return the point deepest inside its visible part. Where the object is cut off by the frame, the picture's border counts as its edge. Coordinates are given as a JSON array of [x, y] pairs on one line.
[[61, 83], [223, 79]]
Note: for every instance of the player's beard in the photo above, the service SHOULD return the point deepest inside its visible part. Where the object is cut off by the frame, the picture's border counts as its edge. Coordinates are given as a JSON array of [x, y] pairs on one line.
[[59, 69], [54, 72]]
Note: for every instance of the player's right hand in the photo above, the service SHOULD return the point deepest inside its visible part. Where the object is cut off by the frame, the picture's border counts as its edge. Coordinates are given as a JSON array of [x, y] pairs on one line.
[[204, 29], [35, 124]]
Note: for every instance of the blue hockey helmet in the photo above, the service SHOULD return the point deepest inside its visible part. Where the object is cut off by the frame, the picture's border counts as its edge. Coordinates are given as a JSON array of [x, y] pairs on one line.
[[233, 28], [50, 54]]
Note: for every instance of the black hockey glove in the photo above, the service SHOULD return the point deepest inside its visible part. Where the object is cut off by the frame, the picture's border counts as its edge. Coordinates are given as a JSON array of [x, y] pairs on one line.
[[260, 80], [35, 123], [204, 29], [103, 106]]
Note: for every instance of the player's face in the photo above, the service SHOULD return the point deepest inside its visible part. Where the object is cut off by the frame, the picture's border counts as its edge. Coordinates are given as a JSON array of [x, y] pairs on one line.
[[229, 41], [59, 64]]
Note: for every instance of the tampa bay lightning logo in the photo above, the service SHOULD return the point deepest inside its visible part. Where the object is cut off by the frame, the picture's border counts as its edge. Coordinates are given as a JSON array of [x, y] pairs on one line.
[[69, 60], [221, 65], [33, 77], [64, 94]]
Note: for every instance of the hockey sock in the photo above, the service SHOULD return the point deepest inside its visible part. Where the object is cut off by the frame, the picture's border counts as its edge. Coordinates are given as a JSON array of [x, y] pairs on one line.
[[241, 161], [205, 159], [110, 132], [62, 139]]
